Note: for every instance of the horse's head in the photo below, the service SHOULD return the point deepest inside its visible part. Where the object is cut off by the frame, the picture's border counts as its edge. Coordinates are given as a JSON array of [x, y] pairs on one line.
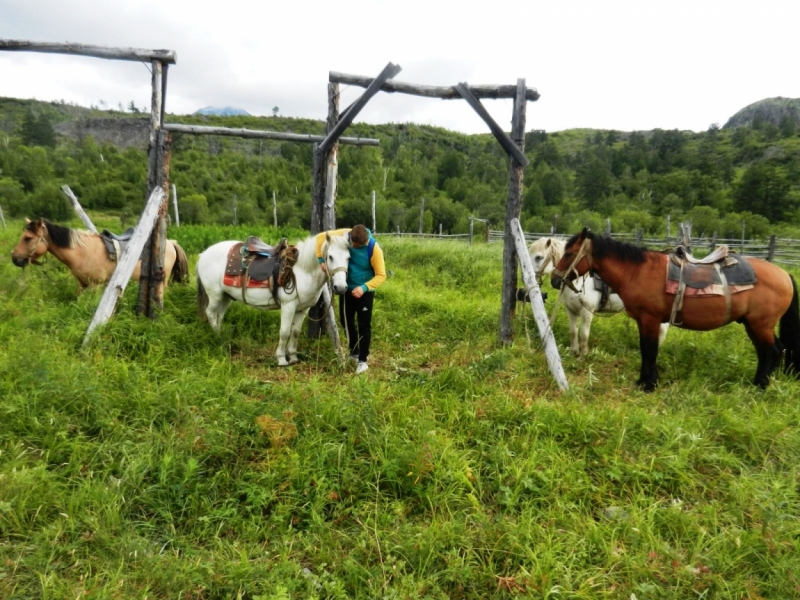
[[545, 253], [337, 258], [32, 245], [576, 261]]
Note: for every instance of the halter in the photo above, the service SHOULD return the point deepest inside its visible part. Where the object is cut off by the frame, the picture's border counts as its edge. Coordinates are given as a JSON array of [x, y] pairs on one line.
[[40, 239], [583, 252]]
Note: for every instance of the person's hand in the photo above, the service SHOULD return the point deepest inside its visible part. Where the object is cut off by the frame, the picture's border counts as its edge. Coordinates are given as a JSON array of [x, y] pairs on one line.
[[324, 267], [358, 292]]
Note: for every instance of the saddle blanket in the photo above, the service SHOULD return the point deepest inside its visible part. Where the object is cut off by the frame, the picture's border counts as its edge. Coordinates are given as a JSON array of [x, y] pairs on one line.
[[236, 281]]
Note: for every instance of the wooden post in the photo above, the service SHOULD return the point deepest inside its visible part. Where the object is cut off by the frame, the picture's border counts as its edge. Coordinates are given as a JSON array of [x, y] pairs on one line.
[[317, 191], [743, 228], [770, 249], [374, 224], [235, 222], [608, 227], [175, 205], [332, 161], [713, 243], [421, 214], [79, 209], [669, 230], [537, 305], [513, 209], [274, 210], [127, 263], [151, 273], [2, 218], [440, 230], [471, 228]]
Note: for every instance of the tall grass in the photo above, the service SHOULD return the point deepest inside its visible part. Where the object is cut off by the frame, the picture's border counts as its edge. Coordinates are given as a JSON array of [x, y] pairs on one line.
[[165, 461]]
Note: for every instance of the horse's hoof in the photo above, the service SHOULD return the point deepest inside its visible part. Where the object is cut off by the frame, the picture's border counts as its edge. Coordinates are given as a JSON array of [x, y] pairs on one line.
[[294, 360], [283, 363]]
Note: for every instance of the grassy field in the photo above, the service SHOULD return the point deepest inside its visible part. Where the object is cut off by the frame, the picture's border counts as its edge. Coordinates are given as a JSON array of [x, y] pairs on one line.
[[164, 461]]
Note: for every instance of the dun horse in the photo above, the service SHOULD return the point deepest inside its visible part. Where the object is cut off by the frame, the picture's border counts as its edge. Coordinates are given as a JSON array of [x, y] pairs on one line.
[[85, 254], [639, 277]]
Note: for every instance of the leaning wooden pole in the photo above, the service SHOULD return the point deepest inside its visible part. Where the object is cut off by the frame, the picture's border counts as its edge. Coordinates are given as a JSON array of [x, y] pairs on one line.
[[127, 263], [79, 209], [537, 305], [513, 210]]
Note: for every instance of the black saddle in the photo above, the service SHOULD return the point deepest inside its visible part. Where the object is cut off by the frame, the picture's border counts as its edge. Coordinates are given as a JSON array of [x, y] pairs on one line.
[[125, 236]]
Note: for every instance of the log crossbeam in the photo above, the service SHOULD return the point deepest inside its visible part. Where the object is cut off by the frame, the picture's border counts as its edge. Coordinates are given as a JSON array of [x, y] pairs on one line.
[[267, 135], [133, 54]]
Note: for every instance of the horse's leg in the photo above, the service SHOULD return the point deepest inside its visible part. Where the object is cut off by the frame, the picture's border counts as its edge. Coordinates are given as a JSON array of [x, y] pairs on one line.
[[287, 320], [217, 305], [574, 345], [586, 326], [649, 329], [662, 333], [767, 350], [297, 325]]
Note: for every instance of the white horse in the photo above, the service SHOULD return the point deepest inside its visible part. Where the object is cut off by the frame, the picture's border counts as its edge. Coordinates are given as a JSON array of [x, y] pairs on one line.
[[214, 297], [590, 297]]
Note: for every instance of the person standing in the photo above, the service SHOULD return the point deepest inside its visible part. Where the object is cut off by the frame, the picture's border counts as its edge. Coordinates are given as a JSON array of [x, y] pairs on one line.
[[366, 272]]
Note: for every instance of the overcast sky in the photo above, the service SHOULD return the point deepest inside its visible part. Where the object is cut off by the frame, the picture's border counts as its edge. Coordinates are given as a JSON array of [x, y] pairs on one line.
[[605, 64]]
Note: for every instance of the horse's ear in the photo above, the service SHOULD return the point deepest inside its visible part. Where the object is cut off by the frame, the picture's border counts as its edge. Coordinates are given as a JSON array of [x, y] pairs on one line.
[[547, 245], [327, 236], [585, 233], [27, 220]]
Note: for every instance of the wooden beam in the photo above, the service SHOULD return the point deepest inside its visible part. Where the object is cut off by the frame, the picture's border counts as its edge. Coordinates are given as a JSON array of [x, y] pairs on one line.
[[332, 160], [537, 305], [126, 264], [429, 91], [389, 71], [134, 54], [269, 135], [506, 142]]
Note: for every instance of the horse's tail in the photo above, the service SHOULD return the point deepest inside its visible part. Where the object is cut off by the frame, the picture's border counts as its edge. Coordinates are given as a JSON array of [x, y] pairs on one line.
[[180, 270], [789, 333], [202, 299]]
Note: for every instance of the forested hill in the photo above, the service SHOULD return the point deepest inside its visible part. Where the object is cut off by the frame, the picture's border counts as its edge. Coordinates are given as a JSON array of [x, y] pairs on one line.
[[718, 178]]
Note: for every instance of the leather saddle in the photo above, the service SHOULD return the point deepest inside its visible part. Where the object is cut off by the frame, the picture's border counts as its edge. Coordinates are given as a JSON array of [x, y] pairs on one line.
[[116, 244], [256, 264]]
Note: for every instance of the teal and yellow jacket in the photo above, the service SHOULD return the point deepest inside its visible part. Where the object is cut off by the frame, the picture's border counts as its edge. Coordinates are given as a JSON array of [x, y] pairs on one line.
[[365, 272]]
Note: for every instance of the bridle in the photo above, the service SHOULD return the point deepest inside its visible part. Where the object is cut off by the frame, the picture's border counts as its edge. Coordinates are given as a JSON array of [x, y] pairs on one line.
[[39, 239], [550, 258], [583, 252]]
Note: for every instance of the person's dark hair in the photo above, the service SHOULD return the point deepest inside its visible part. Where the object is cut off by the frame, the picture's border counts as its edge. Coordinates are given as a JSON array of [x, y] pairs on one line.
[[359, 235]]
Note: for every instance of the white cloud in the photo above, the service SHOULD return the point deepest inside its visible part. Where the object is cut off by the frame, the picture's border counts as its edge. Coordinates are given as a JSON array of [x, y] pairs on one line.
[[618, 64]]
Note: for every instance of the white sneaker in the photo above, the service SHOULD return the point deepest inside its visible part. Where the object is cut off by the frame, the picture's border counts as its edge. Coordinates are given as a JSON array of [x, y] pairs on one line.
[[353, 358], [361, 368]]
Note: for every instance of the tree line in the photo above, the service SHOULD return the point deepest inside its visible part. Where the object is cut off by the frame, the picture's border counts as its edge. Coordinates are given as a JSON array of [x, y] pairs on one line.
[[422, 176]]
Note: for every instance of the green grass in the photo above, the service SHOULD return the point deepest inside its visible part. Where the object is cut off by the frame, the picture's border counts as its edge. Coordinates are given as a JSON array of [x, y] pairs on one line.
[[164, 461]]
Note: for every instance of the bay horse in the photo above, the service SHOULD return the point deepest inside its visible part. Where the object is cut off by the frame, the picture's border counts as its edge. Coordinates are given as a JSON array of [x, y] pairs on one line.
[[639, 277], [582, 300], [84, 253], [214, 296]]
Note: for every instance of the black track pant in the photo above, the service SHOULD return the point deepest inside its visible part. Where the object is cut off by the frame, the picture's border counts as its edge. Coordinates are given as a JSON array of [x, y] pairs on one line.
[[355, 315]]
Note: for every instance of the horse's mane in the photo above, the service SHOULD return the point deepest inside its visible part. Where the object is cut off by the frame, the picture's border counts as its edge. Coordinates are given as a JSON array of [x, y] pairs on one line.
[[606, 247], [307, 251], [61, 236]]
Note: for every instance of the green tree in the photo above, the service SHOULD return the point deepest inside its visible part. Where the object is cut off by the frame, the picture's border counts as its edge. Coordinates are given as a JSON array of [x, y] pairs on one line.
[[764, 190]]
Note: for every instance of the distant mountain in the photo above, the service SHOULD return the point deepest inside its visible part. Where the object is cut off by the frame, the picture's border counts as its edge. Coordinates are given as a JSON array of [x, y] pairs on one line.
[[224, 111], [769, 110]]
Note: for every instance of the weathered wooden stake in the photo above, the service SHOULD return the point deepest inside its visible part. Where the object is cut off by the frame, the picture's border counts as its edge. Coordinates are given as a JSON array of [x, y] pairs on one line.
[[771, 248], [421, 214], [175, 205], [127, 263], [513, 209], [374, 225], [79, 209], [2, 218], [537, 306]]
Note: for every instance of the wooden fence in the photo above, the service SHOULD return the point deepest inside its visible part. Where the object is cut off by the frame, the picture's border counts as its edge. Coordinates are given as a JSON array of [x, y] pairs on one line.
[[783, 251]]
